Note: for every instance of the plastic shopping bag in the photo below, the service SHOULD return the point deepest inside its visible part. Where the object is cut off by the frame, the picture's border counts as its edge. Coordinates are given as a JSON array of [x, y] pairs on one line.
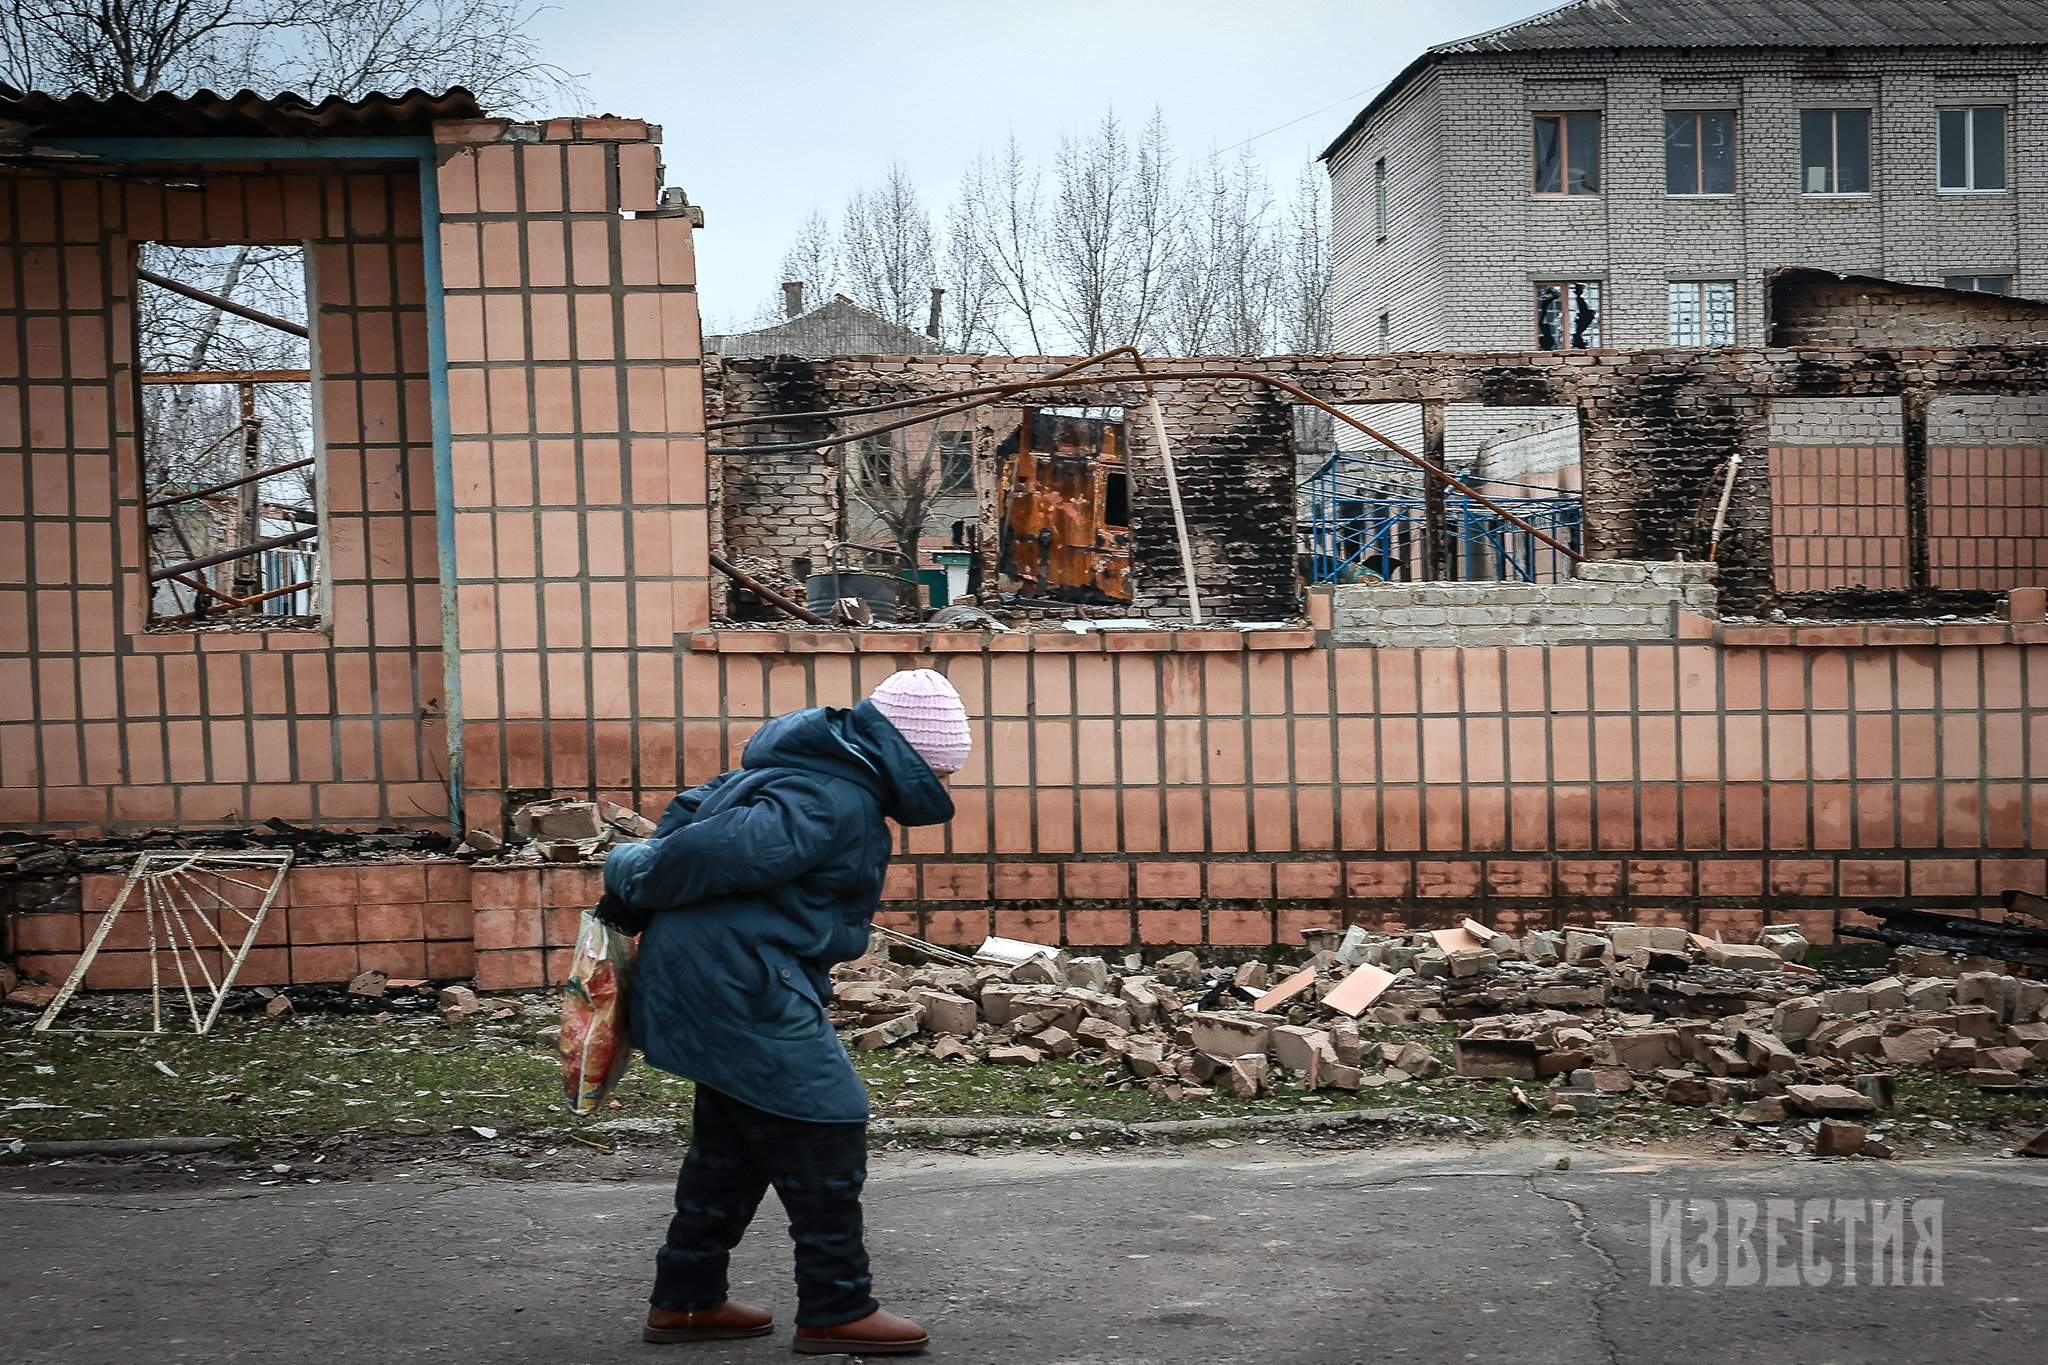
[[596, 1041]]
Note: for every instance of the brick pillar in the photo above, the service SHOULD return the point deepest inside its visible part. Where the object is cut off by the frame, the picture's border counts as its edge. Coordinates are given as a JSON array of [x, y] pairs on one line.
[[1913, 429], [1436, 531], [576, 404]]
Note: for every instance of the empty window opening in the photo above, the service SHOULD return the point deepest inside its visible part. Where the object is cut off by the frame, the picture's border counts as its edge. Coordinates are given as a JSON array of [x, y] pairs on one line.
[[1568, 153], [1366, 514], [1379, 197], [1567, 315], [1699, 151], [1983, 284], [1116, 499], [1702, 312], [1834, 151], [1971, 145], [1065, 516], [906, 491], [229, 448]]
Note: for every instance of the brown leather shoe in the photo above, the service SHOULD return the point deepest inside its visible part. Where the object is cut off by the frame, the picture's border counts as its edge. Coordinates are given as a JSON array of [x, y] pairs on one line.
[[729, 1320], [880, 1333]]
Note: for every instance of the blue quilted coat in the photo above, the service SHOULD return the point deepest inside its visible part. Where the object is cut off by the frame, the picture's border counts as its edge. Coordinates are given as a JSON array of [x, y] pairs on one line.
[[758, 882]]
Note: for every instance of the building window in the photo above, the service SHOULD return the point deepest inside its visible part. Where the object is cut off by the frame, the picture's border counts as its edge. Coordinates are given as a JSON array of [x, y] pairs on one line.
[[1983, 284], [1702, 312], [1972, 148], [875, 460], [1699, 152], [956, 461], [1379, 196], [1568, 153], [1834, 151], [1567, 315], [1386, 331]]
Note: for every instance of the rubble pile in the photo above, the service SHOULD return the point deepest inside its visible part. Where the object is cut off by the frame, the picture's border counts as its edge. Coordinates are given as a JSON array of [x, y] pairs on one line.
[[559, 831], [1591, 1015]]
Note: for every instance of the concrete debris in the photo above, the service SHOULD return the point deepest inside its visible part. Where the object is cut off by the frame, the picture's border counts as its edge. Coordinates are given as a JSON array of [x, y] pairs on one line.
[[483, 841], [2037, 1145], [562, 819], [458, 1004], [630, 823], [277, 1007], [1597, 1016], [369, 985], [1838, 1137], [31, 996]]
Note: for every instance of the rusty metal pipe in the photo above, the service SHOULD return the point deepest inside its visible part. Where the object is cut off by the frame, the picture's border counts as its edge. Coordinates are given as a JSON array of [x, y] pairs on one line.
[[223, 486], [226, 305], [239, 552], [766, 593], [1427, 466], [895, 405], [241, 602], [230, 377]]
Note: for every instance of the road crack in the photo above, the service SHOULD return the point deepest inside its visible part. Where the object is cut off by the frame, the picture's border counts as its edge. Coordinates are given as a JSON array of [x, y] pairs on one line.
[[1612, 1280]]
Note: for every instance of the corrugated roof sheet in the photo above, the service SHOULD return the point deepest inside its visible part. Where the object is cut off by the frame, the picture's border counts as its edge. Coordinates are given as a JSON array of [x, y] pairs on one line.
[[1768, 23], [1740, 23], [244, 114], [839, 327]]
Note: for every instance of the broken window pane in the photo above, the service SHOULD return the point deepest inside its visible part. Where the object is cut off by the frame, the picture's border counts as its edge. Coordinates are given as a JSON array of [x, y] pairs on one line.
[[956, 460], [1567, 315], [228, 447]]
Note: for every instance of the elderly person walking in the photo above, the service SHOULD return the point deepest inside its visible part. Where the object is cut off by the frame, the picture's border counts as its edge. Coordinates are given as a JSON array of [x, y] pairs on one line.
[[753, 885]]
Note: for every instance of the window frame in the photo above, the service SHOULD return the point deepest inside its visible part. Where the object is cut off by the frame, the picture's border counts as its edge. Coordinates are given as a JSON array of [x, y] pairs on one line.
[[1699, 174], [1599, 287], [1975, 276], [1379, 198], [321, 593], [1700, 286], [1564, 153], [1386, 326], [1834, 113], [1969, 113]]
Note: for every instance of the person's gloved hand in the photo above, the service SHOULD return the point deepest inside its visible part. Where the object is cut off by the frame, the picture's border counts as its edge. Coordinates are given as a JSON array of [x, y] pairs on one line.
[[620, 865], [620, 915]]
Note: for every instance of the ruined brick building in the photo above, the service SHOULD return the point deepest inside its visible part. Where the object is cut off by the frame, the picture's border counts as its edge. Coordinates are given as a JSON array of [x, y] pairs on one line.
[[519, 507]]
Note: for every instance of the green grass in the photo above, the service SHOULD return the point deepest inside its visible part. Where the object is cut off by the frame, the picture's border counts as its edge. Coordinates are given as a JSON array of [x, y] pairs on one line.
[[323, 1075]]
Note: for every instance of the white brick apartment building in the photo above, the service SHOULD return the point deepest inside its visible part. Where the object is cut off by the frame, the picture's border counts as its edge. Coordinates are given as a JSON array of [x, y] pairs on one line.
[[1626, 172]]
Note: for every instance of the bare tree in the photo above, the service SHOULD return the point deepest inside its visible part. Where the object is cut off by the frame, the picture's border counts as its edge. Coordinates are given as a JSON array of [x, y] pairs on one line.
[[1305, 267], [1108, 241], [812, 258], [318, 47], [886, 248], [1003, 195], [900, 478], [974, 290]]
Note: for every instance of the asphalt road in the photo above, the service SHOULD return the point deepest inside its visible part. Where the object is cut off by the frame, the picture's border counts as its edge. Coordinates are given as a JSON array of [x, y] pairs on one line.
[[1247, 1254]]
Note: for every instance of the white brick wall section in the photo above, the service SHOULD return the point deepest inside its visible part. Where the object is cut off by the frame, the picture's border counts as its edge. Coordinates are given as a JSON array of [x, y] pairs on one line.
[[1462, 145], [1835, 421], [1610, 600], [1988, 419]]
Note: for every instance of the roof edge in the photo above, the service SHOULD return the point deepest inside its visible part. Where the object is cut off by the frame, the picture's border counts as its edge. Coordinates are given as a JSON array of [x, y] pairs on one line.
[[1428, 58]]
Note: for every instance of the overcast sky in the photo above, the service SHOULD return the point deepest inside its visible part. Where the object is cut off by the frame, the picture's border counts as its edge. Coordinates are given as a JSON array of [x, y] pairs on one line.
[[771, 108]]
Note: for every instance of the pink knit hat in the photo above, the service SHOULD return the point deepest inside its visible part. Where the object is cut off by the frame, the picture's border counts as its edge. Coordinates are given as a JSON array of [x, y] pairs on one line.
[[926, 709]]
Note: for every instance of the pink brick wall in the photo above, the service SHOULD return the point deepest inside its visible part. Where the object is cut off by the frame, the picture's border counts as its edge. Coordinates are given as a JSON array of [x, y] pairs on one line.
[[103, 723], [576, 397]]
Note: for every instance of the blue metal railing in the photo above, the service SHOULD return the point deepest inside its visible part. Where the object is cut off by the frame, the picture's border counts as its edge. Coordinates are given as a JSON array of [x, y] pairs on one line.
[[1365, 520]]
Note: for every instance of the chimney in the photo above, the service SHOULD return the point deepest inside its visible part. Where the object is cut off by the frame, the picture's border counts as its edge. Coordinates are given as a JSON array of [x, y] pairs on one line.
[[792, 298], [931, 328]]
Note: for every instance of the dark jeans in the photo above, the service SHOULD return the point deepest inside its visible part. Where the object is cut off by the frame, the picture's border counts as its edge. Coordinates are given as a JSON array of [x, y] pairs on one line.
[[736, 1153]]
